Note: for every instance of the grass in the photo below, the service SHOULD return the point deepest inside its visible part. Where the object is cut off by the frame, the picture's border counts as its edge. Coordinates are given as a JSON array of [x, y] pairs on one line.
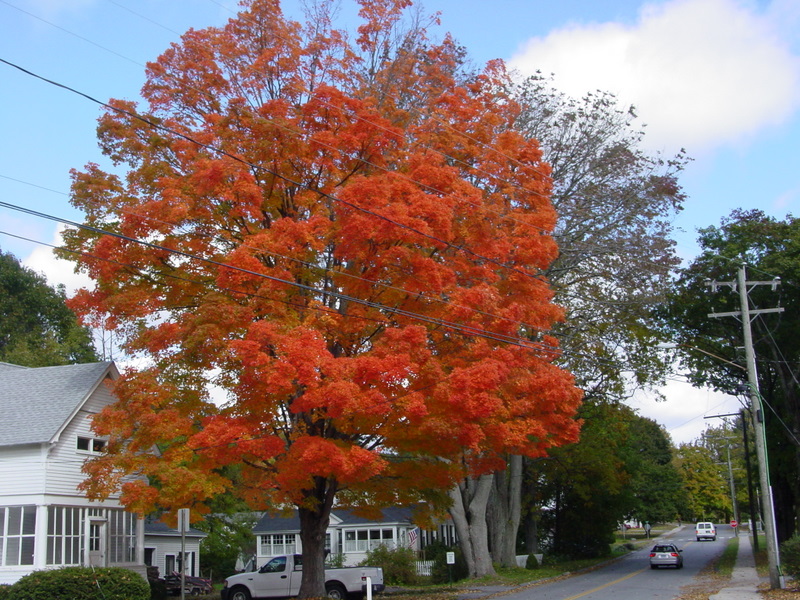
[[724, 565]]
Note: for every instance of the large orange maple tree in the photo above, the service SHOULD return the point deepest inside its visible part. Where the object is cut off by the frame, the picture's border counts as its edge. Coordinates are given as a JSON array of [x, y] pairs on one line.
[[327, 254]]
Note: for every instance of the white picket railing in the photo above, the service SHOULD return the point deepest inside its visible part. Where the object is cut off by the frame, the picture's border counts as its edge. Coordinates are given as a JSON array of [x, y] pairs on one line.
[[425, 567]]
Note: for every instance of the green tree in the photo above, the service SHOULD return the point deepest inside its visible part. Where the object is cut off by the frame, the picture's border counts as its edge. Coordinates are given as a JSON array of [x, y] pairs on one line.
[[706, 489], [658, 490], [37, 329], [621, 468], [771, 248], [585, 486], [228, 538]]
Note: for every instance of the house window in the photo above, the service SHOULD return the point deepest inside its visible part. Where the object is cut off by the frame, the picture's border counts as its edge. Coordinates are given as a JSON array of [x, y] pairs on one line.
[[121, 536], [64, 535], [277, 544], [17, 528], [91, 445], [363, 540]]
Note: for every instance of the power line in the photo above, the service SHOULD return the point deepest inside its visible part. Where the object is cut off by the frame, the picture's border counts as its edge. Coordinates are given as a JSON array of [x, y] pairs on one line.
[[466, 329], [561, 292], [423, 296], [251, 165]]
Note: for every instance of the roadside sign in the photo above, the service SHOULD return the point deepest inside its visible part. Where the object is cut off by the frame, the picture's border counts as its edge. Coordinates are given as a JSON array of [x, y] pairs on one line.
[[451, 558], [734, 523]]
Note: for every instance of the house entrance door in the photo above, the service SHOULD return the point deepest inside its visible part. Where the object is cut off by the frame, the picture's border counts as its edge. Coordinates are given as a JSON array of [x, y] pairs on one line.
[[97, 543]]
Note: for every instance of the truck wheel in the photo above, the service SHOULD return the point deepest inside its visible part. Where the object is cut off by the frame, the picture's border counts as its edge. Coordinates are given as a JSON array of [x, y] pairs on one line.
[[336, 590], [239, 593]]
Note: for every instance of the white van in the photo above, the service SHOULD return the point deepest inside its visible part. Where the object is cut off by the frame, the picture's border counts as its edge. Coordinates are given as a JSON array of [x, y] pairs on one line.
[[705, 530]]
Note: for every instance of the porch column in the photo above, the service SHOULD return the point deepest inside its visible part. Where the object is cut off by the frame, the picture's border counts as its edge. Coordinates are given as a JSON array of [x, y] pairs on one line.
[[40, 538]]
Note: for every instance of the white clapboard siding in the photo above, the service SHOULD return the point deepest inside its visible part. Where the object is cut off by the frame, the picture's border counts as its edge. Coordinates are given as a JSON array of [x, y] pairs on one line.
[[64, 472], [23, 469], [172, 546]]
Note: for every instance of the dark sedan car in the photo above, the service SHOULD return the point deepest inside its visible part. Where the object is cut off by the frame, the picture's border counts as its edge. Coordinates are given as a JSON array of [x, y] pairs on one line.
[[666, 555]]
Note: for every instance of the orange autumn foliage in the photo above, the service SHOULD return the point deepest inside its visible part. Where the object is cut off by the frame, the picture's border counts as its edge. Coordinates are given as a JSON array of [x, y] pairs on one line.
[[347, 242]]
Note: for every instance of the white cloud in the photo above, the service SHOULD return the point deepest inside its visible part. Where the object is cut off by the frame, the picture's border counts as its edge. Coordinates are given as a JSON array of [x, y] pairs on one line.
[[56, 271], [683, 413], [701, 72]]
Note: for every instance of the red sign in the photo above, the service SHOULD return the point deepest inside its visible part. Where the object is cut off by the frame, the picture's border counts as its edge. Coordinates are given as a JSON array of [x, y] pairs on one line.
[[734, 523]]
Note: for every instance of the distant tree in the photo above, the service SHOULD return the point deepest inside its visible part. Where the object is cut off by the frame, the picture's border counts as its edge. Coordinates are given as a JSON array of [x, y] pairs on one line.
[[706, 489], [37, 329]]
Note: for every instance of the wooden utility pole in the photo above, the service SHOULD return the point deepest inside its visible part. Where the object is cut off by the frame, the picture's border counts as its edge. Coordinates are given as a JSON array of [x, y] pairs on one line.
[[745, 314]]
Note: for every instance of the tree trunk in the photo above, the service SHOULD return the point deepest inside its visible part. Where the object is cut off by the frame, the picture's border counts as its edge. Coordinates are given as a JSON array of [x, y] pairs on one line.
[[530, 510], [313, 526], [504, 512], [470, 501]]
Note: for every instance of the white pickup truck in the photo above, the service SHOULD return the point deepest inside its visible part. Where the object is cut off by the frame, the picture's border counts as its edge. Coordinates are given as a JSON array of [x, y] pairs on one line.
[[280, 578]]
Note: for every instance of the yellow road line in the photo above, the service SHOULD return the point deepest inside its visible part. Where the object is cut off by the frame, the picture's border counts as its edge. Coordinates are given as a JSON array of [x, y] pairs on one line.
[[609, 584]]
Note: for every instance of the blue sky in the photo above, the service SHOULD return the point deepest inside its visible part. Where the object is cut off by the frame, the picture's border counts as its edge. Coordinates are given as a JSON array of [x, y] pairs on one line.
[[720, 78]]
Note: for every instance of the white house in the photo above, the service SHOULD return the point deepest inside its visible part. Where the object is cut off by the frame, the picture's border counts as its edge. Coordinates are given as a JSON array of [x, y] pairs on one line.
[[348, 535], [162, 548], [45, 437]]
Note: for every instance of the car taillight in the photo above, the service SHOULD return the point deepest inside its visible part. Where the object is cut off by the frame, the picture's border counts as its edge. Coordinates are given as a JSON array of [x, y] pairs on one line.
[[673, 554], [652, 554]]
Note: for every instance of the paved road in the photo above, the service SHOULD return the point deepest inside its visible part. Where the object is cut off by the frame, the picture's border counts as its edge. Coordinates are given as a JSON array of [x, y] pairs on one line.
[[631, 578]]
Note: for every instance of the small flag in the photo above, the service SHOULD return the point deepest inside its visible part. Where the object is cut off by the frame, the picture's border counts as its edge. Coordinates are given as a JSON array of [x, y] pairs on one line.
[[412, 538]]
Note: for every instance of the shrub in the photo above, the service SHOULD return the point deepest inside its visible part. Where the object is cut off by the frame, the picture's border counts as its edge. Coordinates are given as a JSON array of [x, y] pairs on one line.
[[4, 591], [334, 561], [442, 572], [532, 562], [398, 564], [81, 583], [790, 556]]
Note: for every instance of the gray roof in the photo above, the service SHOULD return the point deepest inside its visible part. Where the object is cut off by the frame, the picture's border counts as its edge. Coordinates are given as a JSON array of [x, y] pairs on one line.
[[37, 403], [391, 515], [152, 527]]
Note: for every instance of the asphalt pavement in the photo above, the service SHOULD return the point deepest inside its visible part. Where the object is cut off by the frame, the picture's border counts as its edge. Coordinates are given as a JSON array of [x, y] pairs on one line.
[[743, 584]]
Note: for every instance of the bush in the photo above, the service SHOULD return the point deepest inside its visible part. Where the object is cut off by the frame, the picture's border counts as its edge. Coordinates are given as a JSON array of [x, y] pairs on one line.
[[790, 556], [442, 572], [532, 563], [4, 591], [398, 564], [81, 583]]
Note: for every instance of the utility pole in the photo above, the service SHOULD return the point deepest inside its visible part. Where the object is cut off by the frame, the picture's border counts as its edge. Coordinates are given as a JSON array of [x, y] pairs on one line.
[[734, 504], [750, 495], [733, 489], [743, 287]]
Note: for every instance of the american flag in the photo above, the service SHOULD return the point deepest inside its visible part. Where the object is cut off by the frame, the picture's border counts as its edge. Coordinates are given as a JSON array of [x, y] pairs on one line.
[[412, 538]]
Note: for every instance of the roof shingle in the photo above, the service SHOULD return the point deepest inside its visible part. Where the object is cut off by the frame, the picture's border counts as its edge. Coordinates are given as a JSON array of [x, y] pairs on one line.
[[36, 403]]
